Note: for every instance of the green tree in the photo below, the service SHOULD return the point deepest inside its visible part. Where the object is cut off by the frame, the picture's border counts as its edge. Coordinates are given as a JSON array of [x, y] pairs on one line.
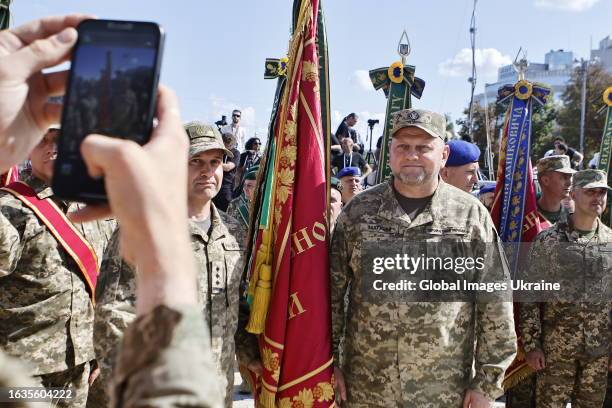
[[569, 115]]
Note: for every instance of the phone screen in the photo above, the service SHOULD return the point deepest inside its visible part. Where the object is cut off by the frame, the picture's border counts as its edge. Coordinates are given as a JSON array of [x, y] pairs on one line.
[[113, 81]]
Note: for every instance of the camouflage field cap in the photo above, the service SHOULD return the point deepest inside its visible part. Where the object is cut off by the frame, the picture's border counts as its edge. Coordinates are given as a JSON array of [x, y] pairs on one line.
[[559, 163], [431, 122], [591, 179], [203, 137]]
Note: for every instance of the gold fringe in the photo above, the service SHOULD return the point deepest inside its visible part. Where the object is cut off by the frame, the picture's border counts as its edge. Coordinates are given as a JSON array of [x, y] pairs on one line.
[[267, 399], [262, 293], [517, 377]]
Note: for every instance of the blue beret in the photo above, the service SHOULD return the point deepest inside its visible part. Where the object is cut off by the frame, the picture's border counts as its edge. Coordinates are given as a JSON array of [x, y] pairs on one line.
[[349, 171], [462, 152], [490, 188]]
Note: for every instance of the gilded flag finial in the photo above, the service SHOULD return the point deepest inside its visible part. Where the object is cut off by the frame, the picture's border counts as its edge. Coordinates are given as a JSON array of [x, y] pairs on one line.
[[403, 47]]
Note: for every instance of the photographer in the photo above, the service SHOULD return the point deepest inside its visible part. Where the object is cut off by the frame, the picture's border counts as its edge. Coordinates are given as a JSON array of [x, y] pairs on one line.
[[346, 128], [167, 345]]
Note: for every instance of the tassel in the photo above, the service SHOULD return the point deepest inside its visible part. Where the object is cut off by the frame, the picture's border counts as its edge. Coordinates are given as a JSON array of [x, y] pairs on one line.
[[261, 301], [267, 399]]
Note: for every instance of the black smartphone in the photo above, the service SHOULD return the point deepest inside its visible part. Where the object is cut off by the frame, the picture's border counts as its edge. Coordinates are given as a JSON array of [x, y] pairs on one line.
[[112, 90]]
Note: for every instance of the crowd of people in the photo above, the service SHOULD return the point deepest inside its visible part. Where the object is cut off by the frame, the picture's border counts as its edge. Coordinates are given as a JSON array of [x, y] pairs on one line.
[[164, 322]]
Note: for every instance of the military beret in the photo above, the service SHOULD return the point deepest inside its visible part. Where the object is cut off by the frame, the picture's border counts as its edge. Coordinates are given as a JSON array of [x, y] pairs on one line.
[[252, 173], [349, 171], [334, 183], [462, 152], [487, 189], [591, 179]]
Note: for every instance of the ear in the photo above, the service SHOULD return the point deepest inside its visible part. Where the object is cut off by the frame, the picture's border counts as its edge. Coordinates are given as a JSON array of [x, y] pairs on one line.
[[445, 153]]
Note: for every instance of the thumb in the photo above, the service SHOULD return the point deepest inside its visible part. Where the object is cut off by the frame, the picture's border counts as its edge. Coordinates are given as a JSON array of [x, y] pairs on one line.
[[467, 400], [44, 53]]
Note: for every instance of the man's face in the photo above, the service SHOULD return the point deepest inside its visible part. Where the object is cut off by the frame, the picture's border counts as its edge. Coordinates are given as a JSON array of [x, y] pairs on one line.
[[590, 201], [43, 156], [335, 203], [249, 188], [347, 145], [556, 184], [463, 177], [415, 157], [558, 150], [205, 174], [236, 117], [487, 199], [351, 185]]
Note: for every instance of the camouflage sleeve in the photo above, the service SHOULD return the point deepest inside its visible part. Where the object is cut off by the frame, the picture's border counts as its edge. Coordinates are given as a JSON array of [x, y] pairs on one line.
[[339, 280], [530, 326], [116, 305], [495, 331], [247, 348], [165, 361], [10, 246]]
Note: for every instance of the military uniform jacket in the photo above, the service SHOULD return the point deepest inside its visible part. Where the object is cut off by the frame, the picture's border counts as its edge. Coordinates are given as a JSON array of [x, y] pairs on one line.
[[571, 329], [46, 315], [401, 354], [219, 259]]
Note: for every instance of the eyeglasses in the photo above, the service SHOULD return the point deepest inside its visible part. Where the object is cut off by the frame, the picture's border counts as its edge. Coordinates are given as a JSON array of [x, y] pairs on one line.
[[236, 116]]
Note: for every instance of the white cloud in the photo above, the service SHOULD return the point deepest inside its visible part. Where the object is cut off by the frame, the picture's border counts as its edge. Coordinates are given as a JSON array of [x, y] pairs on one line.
[[488, 60], [569, 5], [361, 79]]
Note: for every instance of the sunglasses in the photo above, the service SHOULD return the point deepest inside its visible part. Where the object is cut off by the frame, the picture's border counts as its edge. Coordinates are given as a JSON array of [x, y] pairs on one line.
[[236, 116]]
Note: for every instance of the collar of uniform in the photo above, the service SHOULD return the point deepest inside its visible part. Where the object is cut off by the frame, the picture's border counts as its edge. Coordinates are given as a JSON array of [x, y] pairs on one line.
[[219, 230], [570, 231], [392, 210], [41, 188]]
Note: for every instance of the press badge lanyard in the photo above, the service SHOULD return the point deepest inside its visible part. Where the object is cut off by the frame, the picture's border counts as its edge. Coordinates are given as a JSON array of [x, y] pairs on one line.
[[350, 160]]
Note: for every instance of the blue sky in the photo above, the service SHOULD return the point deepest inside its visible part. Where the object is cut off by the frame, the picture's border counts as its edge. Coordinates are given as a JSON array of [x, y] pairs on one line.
[[215, 50]]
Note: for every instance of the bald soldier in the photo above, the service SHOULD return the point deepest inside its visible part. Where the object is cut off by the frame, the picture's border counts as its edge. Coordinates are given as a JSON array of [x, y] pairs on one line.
[[218, 244], [568, 341], [401, 354], [461, 168]]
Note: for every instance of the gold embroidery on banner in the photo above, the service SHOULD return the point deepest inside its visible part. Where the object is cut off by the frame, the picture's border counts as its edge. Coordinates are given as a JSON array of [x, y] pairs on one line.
[[322, 392], [271, 362], [288, 155], [309, 71]]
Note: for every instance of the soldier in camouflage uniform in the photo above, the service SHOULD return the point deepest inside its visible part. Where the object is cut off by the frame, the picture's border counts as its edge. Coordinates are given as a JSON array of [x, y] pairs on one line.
[[46, 314], [555, 178], [218, 244], [415, 354], [568, 342], [239, 207]]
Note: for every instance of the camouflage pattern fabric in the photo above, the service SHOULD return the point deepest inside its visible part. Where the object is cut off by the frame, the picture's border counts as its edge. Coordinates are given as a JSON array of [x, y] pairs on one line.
[[574, 336], [220, 259], [165, 361], [75, 378], [415, 354], [46, 315], [233, 209], [97, 233]]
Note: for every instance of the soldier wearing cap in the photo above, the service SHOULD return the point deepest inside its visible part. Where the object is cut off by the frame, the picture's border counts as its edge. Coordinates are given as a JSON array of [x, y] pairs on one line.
[[555, 178], [569, 340], [218, 244], [400, 354], [461, 168], [350, 183], [239, 207]]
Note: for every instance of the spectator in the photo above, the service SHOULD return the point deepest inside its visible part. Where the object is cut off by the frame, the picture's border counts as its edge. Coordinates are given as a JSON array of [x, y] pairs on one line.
[[235, 129], [486, 196], [346, 128], [575, 156], [350, 181], [249, 158], [230, 165], [594, 163], [349, 158], [461, 167]]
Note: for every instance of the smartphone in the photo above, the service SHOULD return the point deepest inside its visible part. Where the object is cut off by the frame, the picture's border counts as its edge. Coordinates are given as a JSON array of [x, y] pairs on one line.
[[112, 90]]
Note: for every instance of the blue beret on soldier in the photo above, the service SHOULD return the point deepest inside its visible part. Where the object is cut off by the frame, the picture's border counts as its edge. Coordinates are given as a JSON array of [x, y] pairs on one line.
[[462, 152], [349, 171]]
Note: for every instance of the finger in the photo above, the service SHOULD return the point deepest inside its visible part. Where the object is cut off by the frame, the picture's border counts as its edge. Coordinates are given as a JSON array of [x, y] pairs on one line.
[[55, 82], [43, 53], [466, 400], [342, 390], [103, 154], [45, 27], [52, 112], [90, 213]]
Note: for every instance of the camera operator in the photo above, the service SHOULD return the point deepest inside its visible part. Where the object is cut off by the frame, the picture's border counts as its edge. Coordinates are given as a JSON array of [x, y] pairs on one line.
[[167, 345], [346, 128]]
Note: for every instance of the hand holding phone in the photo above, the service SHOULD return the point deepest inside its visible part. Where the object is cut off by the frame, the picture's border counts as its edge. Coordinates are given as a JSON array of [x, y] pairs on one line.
[[111, 91]]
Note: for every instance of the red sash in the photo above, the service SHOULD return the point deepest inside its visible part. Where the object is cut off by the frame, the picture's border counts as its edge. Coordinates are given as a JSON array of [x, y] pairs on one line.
[[11, 176], [62, 229]]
